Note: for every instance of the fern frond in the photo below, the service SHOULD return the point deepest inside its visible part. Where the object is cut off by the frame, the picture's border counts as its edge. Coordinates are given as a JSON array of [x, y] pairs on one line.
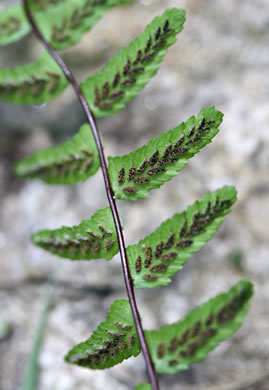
[[174, 347], [62, 23], [65, 24], [135, 174], [36, 83], [93, 238], [68, 163], [13, 25], [108, 91], [114, 340], [163, 253]]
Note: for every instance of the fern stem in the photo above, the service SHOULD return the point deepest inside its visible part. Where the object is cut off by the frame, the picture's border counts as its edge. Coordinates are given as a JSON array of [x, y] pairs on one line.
[[110, 195]]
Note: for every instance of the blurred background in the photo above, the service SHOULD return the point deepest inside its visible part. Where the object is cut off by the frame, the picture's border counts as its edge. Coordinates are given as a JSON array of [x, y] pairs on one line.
[[221, 58]]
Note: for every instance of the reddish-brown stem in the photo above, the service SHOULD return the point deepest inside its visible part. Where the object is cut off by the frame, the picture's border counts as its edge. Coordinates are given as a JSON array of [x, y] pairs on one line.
[[110, 195]]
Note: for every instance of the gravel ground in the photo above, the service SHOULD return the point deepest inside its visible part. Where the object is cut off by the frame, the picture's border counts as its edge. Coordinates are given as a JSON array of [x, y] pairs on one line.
[[221, 58]]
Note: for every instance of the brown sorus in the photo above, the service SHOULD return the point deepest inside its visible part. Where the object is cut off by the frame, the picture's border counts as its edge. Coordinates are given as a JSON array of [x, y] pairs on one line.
[[138, 264], [155, 171], [196, 329], [148, 46], [157, 33], [158, 267], [136, 70], [161, 43], [161, 350], [129, 189], [149, 277], [173, 362], [109, 244], [167, 150], [148, 57], [210, 319], [131, 173], [167, 161], [129, 81], [180, 140], [116, 80], [105, 105], [184, 243], [173, 345], [166, 25], [159, 249], [170, 241], [148, 257], [169, 256], [142, 166], [138, 57], [105, 90], [104, 231], [154, 158], [141, 180], [127, 67], [116, 95], [124, 327], [201, 124], [191, 132]]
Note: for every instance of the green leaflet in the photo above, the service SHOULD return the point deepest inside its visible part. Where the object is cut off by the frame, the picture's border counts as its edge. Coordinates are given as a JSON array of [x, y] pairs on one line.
[[174, 347], [65, 24], [36, 83], [13, 25], [41, 5], [62, 23], [163, 253], [68, 163], [108, 91], [114, 340], [135, 174], [143, 387], [93, 238], [44, 5]]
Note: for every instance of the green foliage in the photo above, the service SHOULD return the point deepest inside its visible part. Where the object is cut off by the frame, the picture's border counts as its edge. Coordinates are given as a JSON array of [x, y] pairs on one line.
[[36, 83], [108, 91], [163, 253], [65, 24], [93, 238], [45, 5], [62, 23], [68, 163], [174, 347], [114, 340], [13, 25], [157, 257], [135, 174]]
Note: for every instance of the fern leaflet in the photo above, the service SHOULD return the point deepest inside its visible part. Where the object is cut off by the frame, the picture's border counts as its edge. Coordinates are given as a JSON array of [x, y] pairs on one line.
[[13, 25], [163, 253], [36, 83], [108, 91], [62, 23], [174, 347], [135, 174], [68, 163], [65, 24], [143, 386], [114, 340], [93, 238]]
